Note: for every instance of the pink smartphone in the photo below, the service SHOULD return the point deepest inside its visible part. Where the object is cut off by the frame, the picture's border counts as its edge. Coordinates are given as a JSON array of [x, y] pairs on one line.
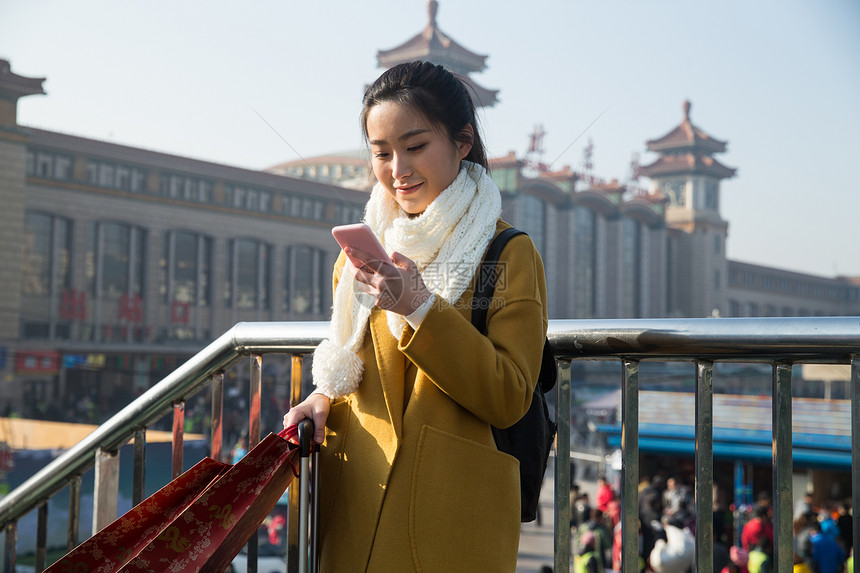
[[360, 236]]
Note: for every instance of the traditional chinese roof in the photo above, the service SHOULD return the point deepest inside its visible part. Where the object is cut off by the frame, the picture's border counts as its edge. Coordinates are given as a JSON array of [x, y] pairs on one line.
[[687, 163], [505, 161], [687, 136], [11, 84], [433, 45], [687, 149]]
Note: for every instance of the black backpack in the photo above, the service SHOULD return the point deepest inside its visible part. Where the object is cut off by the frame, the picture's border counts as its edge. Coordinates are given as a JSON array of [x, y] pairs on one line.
[[530, 439]]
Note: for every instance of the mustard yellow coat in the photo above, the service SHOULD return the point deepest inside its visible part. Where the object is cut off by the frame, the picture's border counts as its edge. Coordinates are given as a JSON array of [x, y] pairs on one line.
[[411, 479]]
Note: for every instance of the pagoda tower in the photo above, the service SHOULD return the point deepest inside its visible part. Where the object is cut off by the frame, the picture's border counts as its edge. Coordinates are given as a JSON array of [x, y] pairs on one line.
[[433, 45], [689, 176]]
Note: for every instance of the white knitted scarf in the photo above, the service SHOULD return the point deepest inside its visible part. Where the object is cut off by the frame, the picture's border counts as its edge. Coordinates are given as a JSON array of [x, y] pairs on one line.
[[446, 242]]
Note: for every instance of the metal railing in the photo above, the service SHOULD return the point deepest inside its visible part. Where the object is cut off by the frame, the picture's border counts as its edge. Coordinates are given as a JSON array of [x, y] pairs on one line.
[[781, 342]]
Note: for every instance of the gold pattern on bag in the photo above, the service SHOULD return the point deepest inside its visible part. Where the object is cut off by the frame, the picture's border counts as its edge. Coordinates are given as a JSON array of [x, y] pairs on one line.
[[174, 540], [223, 514], [75, 567]]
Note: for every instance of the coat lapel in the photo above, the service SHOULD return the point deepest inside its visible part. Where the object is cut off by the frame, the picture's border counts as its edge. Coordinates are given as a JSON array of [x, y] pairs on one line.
[[392, 368]]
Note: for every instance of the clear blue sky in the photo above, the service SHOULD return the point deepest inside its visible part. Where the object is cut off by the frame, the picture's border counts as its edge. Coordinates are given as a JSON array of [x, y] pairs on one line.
[[780, 80]]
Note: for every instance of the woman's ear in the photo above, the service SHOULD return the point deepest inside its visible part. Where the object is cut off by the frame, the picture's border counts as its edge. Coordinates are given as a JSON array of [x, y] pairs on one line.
[[464, 143]]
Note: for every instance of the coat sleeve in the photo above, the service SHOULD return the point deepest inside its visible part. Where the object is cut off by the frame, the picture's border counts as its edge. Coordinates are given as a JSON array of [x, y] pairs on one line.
[[492, 376]]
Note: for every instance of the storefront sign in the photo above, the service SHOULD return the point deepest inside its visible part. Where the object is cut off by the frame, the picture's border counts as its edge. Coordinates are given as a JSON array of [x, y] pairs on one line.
[[37, 362], [92, 361]]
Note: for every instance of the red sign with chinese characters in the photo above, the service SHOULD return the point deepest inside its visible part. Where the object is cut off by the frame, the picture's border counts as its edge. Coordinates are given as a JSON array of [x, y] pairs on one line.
[[131, 309], [74, 305], [37, 362], [179, 312]]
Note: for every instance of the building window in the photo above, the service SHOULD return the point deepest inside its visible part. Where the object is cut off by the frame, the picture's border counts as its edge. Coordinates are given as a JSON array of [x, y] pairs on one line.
[[48, 165], [186, 267], [186, 188], [752, 309], [249, 198], [116, 259], [676, 191], [631, 270], [295, 207], [718, 244], [533, 219], [204, 191], [304, 280], [46, 265], [248, 275], [344, 214], [106, 175], [717, 280], [585, 261], [734, 308], [138, 180], [712, 195], [114, 176]]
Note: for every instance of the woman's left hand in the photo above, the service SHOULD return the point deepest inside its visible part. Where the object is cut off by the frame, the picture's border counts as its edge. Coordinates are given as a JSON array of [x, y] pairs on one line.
[[397, 285]]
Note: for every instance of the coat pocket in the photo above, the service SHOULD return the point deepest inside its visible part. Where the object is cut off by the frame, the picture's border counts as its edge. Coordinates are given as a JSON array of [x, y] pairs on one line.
[[464, 511]]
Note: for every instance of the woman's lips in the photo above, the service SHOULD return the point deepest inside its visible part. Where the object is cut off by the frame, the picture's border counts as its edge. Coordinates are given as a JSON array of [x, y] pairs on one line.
[[409, 189]]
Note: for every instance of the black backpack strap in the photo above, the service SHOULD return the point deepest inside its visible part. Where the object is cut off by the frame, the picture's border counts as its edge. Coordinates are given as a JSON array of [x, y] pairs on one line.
[[487, 275], [484, 287]]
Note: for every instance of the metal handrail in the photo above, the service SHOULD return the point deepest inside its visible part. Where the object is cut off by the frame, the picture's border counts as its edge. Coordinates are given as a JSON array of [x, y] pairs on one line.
[[776, 340], [242, 339]]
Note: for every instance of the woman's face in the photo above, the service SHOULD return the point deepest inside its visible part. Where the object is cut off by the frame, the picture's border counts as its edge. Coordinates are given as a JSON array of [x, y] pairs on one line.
[[413, 160]]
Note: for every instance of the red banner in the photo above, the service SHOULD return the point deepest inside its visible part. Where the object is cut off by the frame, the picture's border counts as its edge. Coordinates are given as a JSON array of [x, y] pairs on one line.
[[37, 362], [74, 305]]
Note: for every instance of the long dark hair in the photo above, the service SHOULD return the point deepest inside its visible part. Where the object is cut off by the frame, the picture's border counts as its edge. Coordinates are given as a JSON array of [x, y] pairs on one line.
[[436, 93]]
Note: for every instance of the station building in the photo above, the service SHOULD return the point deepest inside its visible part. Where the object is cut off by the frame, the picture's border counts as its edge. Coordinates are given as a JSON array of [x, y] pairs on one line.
[[119, 263]]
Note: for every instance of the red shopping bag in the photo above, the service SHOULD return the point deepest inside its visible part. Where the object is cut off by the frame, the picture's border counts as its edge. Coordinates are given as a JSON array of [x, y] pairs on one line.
[[116, 544], [209, 533]]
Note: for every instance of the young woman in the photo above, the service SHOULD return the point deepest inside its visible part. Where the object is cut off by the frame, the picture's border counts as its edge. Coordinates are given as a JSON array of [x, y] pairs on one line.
[[407, 388]]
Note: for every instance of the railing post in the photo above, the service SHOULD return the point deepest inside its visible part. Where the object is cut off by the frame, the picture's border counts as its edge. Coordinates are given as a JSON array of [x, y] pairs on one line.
[[178, 437], [783, 533], [106, 492], [217, 414], [562, 469], [10, 547], [855, 447], [256, 382], [138, 488], [42, 537], [293, 516], [630, 467], [74, 512], [704, 465]]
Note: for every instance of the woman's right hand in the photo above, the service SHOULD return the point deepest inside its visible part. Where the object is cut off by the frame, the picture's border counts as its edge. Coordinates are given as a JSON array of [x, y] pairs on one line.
[[316, 407]]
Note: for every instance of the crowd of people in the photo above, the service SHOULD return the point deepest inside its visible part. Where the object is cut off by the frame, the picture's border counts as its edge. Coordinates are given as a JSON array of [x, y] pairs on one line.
[[823, 533]]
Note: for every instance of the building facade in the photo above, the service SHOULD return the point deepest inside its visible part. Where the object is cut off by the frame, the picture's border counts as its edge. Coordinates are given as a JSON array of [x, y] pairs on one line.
[[119, 263]]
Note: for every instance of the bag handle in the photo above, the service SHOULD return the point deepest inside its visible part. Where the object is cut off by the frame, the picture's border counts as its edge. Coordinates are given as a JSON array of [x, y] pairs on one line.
[[301, 434]]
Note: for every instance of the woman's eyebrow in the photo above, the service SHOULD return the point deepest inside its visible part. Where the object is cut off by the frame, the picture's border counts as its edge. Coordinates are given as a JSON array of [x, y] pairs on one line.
[[406, 135]]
